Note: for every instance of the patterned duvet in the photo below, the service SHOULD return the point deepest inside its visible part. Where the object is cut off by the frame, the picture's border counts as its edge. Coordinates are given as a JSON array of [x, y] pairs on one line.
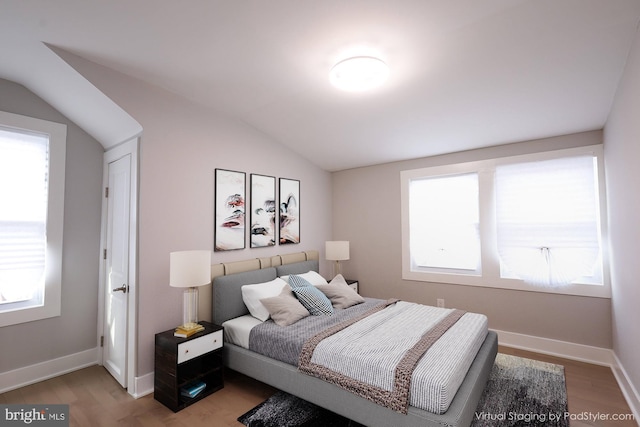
[[369, 351]]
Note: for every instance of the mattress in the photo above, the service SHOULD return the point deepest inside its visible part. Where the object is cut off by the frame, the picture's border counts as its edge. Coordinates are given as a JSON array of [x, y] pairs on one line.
[[237, 330]]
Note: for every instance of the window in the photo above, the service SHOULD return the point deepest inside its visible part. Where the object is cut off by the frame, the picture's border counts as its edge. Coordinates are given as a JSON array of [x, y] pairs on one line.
[[445, 223], [528, 222], [547, 220], [24, 169], [32, 162]]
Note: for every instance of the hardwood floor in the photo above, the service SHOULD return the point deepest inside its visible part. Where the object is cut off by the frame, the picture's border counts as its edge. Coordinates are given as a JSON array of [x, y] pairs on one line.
[[96, 399], [591, 390]]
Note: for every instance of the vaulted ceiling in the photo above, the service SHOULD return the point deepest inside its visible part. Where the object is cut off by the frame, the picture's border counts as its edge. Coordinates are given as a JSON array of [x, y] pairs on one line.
[[463, 73]]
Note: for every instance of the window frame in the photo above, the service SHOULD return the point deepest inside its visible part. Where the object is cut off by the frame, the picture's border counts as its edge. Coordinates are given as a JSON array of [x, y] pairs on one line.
[[489, 275], [12, 314]]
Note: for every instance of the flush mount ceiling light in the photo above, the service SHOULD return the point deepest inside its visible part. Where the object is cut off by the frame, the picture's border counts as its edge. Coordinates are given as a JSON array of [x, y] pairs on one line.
[[359, 73]]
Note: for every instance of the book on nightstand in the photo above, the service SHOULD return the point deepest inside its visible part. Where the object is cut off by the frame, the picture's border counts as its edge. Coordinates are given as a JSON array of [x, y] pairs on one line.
[[185, 333], [192, 390]]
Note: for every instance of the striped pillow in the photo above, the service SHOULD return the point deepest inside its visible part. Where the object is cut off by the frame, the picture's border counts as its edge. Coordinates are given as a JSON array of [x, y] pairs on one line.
[[310, 296]]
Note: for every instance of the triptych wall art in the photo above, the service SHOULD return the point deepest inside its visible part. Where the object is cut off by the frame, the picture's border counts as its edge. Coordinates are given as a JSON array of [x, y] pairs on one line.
[[266, 216]]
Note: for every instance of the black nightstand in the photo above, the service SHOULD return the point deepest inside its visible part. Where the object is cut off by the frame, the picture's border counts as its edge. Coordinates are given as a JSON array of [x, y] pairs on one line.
[[182, 362], [353, 284]]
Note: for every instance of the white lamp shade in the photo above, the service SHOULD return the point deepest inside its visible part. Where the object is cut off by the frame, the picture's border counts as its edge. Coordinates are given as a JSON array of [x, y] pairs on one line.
[[189, 268], [337, 250]]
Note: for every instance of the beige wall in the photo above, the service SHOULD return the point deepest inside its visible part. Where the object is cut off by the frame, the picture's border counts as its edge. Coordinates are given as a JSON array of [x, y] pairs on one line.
[[366, 211], [181, 145], [75, 329], [622, 153]]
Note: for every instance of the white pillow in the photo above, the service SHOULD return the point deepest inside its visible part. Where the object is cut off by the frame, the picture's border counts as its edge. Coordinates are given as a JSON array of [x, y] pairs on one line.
[[311, 276], [252, 294]]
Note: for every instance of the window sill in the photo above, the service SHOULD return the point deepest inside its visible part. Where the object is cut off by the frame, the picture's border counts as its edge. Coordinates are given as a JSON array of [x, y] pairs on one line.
[[29, 314], [594, 291]]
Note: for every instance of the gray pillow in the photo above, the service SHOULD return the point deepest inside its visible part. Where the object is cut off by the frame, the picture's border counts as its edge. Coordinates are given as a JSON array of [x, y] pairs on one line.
[[285, 309], [340, 293]]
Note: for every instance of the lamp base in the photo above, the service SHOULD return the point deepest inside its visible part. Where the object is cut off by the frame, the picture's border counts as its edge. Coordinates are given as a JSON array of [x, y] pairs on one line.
[[190, 309], [336, 269]]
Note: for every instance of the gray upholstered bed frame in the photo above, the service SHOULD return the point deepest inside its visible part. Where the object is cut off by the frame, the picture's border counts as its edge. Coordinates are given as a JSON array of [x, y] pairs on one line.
[[227, 304]]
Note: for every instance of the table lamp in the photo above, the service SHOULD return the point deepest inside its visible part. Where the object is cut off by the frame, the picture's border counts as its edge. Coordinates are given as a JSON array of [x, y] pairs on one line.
[[190, 269], [337, 251]]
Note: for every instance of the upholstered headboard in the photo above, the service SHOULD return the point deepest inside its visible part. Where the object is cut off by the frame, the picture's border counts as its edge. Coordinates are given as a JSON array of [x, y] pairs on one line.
[[227, 294], [297, 268], [258, 263], [228, 279]]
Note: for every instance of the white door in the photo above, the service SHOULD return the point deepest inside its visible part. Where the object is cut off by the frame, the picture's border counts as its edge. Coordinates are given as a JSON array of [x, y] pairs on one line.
[[116, 259]]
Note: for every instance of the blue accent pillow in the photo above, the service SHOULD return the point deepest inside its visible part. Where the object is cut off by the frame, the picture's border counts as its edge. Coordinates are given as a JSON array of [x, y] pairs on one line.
[[310, 297]]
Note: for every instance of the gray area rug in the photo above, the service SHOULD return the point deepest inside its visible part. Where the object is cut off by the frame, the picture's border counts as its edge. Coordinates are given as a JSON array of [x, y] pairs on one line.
[[520, 392], [523, 392]]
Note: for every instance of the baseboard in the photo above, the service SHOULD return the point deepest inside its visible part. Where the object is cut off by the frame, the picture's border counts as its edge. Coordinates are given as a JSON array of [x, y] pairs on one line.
[[143, 386], [628, 389], [27, 375], [568, 350], [32, 374]]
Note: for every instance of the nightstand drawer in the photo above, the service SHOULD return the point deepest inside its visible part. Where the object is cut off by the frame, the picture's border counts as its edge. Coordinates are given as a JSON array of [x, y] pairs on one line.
[[199, 346]]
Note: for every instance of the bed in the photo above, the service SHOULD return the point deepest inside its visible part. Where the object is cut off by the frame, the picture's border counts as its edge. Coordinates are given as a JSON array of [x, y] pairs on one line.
[[228, 304]]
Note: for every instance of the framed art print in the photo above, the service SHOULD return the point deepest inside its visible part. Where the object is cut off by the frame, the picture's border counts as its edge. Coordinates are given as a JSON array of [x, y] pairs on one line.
[[229, 229], [289, 211], [263, 211]]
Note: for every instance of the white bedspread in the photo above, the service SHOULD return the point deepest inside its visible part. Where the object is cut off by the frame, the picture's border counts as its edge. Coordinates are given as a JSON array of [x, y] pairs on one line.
[[435, 379], [370, 350]]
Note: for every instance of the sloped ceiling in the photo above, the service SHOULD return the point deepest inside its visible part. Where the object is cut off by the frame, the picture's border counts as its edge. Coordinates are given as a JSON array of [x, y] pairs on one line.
[[463, 73]]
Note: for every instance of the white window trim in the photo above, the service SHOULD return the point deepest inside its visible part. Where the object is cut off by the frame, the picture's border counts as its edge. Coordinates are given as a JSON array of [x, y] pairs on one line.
[[490, 270], [55, 217]]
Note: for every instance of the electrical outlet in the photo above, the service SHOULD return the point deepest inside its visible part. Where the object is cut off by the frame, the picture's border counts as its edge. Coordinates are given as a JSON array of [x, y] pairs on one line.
[[440, 302]]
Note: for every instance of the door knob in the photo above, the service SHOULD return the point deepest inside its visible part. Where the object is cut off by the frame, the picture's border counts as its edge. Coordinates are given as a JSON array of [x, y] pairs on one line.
[[122, 289]]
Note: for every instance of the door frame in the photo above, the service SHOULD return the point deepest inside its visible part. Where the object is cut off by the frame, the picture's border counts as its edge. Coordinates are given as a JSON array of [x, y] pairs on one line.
[[126, 148]]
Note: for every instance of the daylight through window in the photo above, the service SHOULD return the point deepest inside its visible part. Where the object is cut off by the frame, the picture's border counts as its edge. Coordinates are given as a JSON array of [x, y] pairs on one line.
[[445, 222], [547, 220], [24, 171], [529, 222]]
